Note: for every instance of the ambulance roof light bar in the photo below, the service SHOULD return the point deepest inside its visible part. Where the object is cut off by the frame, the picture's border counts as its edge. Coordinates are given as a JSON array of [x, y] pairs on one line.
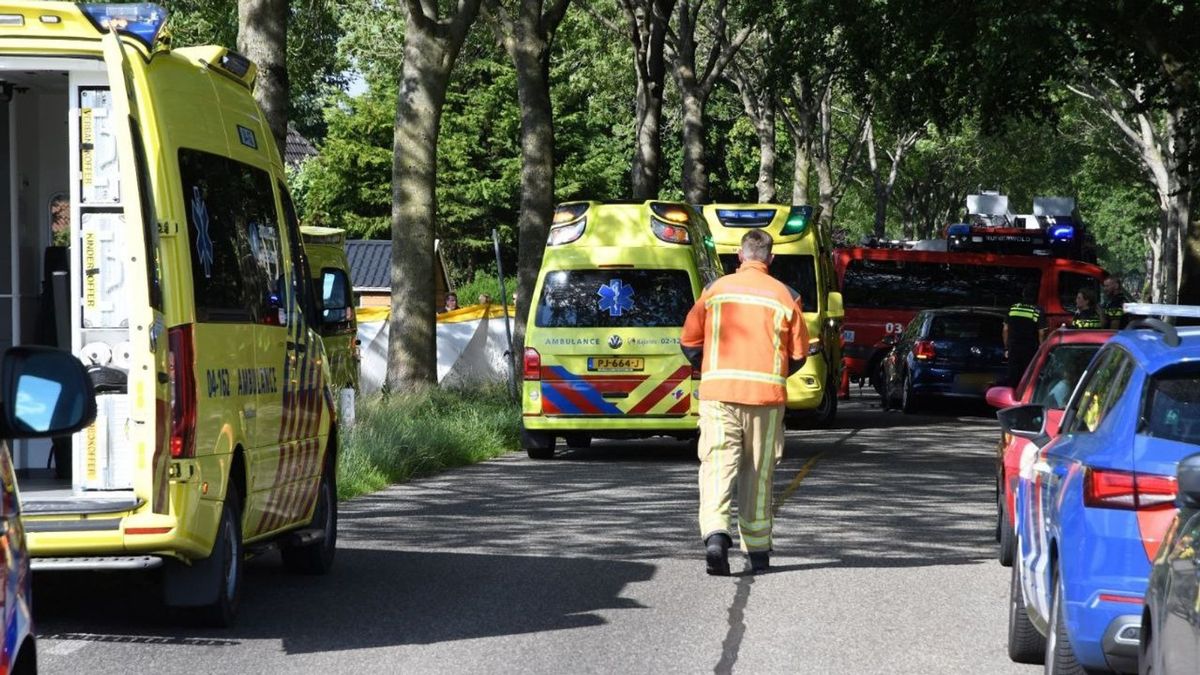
[[142, 20]]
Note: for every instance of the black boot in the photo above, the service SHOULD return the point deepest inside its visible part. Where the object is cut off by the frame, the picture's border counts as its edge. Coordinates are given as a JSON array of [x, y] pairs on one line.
[[716, 554], [760, 561]]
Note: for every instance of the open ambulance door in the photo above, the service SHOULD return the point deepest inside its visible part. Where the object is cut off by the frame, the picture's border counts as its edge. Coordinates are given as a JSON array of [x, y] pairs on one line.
[[148, 384]]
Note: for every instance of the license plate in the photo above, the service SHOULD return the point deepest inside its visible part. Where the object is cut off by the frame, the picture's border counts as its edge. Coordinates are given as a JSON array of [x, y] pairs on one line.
[[615, 364], [974, 379]]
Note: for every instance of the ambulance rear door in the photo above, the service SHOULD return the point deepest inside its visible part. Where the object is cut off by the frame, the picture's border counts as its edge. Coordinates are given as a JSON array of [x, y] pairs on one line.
[[139, 296]]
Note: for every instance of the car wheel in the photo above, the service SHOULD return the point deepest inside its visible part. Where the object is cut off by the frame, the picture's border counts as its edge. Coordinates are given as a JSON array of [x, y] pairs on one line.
[[1060, 656], [317, 557], [1025, 643], [827, 410], [1146, 648], [230, 556], [538, 444], [908, 400], [1008, 538]]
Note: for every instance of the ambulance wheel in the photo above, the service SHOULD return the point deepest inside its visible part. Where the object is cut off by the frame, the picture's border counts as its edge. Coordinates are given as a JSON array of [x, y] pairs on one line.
[[317, 557], [578, 441], [538, 444], [827, 410], [226, 560]]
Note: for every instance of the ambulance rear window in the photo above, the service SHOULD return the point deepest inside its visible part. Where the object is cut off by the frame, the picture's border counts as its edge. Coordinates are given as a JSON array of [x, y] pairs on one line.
[[617, 298]]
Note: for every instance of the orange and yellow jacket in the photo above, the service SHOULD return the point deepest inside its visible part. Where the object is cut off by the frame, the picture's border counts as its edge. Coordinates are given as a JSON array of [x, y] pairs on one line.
[[747, 334]]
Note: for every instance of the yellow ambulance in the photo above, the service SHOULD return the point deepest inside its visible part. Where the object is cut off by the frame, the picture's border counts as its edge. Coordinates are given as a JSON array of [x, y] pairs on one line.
[[154, 238], [325, 248], [602, 356], [803, 260]]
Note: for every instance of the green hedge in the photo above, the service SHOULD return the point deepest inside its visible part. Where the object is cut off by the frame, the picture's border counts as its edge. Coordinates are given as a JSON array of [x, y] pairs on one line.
[[397, 437]]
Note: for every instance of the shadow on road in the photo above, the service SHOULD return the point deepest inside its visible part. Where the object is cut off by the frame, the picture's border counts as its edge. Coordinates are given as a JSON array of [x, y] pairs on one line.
[[373, 598]]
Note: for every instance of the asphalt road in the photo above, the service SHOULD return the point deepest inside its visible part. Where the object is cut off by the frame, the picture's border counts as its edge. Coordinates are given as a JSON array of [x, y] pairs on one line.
[[884, 563]]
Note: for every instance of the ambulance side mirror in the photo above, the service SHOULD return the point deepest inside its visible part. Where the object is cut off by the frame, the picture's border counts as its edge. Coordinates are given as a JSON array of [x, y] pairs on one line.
[[834, 309], [335, 297], [45, 392]]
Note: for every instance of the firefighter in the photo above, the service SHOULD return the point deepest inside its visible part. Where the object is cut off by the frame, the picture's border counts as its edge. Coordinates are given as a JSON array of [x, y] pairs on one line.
[[1113, 307], [1024, 328], [1086, 313], [746, 333]]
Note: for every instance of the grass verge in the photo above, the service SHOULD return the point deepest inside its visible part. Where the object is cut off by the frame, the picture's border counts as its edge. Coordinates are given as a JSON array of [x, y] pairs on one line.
[[398, 437]]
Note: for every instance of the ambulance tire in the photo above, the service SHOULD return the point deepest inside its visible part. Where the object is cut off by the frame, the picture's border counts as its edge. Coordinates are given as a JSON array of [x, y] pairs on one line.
[[826, 411], [538, 444], [317, 558], [211, 589]]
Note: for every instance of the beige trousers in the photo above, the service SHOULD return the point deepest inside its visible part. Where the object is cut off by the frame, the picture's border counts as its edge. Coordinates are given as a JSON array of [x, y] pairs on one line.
[[739, 444]]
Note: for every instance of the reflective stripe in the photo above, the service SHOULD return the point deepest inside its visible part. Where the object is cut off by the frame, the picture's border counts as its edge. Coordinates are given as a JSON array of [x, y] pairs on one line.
[[1023, 311], [714, 342], [777, 334], [1086, 323], [747, 375], [747, 299]]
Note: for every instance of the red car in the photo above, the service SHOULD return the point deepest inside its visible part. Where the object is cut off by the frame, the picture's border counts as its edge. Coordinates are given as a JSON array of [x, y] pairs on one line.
[[1048, 381]]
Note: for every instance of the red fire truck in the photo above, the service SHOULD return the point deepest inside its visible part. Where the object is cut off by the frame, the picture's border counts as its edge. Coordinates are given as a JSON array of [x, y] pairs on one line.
[[882, 288]]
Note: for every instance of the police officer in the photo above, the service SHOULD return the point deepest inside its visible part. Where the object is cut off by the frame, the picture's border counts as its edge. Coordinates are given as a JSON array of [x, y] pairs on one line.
[[1113, 307], [746, 333], [1087, 315], [1023, 330]]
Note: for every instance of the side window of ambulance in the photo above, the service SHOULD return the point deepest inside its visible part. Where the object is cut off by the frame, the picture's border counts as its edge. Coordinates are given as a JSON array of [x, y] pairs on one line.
[[237, 270], [300, 269]]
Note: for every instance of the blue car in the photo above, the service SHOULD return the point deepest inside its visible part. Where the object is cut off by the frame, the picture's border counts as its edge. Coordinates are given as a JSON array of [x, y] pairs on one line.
[[953, 352], [1094, 503]]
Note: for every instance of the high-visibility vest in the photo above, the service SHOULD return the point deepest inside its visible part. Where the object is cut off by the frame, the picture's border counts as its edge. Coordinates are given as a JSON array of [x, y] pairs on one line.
[[749, 325], [1024, 311]]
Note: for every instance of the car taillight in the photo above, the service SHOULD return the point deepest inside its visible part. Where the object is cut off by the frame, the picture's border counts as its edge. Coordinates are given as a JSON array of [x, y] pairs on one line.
[[1108, 489], [533, 364], [924, 350], [181, 373]]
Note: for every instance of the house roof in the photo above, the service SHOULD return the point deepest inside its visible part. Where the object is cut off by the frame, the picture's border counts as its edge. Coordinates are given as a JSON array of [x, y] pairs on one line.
[[297, 148], [370, 264]]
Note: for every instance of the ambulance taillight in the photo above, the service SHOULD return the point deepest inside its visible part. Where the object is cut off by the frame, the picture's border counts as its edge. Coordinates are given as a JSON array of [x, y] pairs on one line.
[[181, 373], [533, 364]]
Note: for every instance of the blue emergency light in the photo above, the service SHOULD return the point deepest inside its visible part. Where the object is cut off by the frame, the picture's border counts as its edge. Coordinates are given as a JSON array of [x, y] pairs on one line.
[[1062, 232], [745, 217], [142, 20], [959, 230]]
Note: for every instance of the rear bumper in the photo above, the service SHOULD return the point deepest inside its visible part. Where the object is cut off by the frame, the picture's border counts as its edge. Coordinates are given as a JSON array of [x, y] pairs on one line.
[[1120, 643], [614, 427], [949, 382]]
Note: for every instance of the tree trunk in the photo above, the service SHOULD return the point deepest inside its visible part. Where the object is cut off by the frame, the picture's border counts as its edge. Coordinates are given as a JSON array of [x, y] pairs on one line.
[[430, 49], [526, 36], [647, 29], [800, 170], [262, 38], [695, 173], [765, 128]]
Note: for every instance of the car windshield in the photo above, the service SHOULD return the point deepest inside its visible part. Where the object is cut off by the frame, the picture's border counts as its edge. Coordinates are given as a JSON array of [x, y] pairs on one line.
[[1060, 373], [893, 284], [973, 327], [797, 271], [618, 298], [1173, 405]]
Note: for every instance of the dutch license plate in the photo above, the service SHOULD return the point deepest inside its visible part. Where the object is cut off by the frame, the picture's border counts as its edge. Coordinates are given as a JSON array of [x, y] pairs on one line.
[[974, 380], [615, 364]]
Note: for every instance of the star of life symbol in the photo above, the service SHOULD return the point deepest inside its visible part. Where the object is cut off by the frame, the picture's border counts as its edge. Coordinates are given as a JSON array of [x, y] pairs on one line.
[[616, 298], [204, 243]]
